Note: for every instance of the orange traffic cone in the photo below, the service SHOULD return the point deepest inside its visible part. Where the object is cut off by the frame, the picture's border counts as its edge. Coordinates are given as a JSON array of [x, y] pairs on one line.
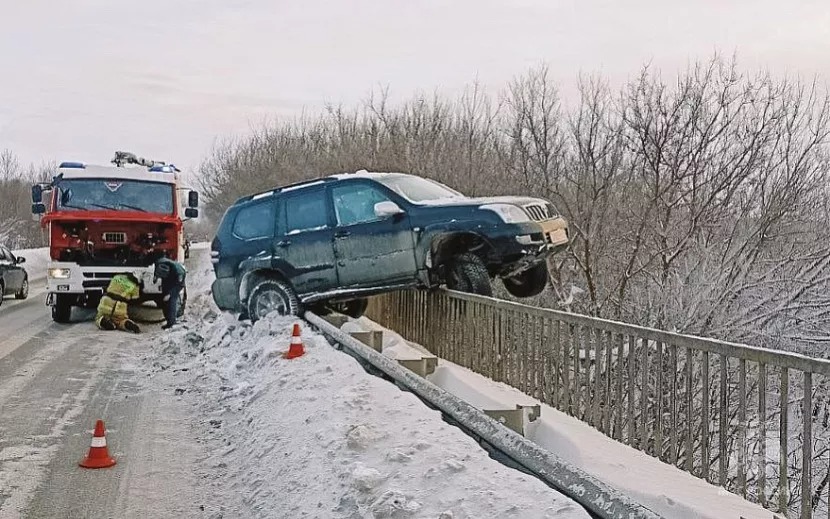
[[99, 456], [296, 349]]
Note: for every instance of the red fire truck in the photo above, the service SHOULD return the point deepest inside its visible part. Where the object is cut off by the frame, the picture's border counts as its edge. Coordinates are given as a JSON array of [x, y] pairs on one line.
[[106, 220]]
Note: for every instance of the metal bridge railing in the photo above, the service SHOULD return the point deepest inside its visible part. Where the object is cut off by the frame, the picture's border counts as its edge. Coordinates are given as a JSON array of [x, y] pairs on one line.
[[752, 420]]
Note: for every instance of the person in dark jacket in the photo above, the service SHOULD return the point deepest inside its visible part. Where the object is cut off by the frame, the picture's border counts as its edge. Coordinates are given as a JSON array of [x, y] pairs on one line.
[[172, 275]]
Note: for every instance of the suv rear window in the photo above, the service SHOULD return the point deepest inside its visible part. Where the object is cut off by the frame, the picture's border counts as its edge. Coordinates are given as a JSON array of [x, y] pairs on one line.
[[306, 212], [255, 221]]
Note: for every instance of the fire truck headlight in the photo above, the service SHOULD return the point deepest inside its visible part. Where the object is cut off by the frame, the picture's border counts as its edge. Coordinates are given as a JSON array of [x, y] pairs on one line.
[[59, 273]]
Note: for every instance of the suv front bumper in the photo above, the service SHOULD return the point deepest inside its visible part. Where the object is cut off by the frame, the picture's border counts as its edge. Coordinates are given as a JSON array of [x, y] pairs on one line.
[[524, 246]]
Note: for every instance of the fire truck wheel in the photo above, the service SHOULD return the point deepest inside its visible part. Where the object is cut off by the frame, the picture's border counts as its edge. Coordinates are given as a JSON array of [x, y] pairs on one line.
[[62, 309]]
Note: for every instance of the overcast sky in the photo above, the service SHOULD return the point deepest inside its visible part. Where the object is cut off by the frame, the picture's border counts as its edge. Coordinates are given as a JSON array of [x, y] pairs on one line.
[[165, 78]]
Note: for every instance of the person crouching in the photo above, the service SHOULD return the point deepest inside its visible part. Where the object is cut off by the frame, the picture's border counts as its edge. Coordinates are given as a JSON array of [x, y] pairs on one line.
[[112, 310]]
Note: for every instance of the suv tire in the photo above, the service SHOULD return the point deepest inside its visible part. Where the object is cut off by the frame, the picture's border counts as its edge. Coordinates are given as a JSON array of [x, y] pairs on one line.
[[62, 309], [529, 283], [354, 308], [467, 273], [24, 290], [271, 295], [2, 292]]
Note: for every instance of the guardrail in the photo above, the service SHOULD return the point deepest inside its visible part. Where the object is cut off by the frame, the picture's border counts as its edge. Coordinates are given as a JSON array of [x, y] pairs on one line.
[[752, 420]]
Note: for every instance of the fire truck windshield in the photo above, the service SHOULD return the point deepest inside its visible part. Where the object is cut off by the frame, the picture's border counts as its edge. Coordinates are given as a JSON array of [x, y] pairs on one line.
[[114, 195]]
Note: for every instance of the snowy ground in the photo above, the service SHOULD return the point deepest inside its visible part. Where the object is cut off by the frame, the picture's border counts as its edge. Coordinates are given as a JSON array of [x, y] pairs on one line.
[[319, 437], [662, 488]]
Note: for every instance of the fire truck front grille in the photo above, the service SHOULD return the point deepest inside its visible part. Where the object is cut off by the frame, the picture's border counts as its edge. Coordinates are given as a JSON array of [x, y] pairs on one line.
[[118, 238]]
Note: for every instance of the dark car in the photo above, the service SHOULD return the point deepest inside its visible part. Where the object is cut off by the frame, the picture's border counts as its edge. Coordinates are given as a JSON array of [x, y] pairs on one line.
[[339, 239], [13, 278]]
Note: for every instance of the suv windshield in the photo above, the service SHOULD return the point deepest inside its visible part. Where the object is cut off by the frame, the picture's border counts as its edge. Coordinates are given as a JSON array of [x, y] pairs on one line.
[[417, 189], [115, 195]]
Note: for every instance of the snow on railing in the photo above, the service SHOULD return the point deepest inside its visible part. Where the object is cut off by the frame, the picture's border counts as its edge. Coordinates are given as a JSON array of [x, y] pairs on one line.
[[763, 430]]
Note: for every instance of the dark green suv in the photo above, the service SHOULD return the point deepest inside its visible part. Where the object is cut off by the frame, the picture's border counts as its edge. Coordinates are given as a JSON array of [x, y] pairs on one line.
[[339, 239]]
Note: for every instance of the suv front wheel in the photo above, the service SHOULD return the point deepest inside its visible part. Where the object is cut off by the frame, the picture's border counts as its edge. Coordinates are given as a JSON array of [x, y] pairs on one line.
[[529, 283], [271, 295], [468, 273]]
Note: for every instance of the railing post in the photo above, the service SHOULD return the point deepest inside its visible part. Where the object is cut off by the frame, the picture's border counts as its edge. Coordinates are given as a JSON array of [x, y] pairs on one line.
[[782, 437], [705, 417], [762, 433], [644, 397], [807, 449], [673, 404], [742, 427], [658, 395], [723, 425], [632, 359], [618, 433], [690, 412]]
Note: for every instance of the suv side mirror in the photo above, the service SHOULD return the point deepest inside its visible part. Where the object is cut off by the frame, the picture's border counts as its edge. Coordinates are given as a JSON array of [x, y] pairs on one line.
[[37, 194], [387, 209], [191, 212], [20, 260], [38, 208], [193, 199]]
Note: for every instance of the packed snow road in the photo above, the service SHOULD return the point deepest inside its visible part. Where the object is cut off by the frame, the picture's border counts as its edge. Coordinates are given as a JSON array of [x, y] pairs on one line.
[[55, 381], [210, 420]]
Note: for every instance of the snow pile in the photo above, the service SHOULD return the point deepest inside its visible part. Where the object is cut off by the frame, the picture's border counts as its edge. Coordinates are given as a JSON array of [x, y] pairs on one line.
[[36, 261], [319, 437]]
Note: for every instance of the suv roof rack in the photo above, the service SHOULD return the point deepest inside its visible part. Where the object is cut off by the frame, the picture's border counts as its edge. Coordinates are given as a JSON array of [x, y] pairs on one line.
[[288, 187]]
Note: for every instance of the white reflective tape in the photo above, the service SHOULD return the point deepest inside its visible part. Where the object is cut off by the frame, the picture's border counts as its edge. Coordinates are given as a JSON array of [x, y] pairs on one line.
[[99, 442], [296, 340]]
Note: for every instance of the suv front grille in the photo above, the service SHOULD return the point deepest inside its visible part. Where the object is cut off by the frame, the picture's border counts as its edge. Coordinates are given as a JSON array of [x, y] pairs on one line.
[[115, 237], [537, 212]]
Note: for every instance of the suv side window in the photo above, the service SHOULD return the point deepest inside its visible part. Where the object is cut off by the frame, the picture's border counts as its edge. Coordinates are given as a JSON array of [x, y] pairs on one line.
[[306, 212], [255, 221], [355, 203]]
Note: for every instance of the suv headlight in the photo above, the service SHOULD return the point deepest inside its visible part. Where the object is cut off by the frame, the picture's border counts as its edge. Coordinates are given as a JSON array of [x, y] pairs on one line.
[[58, 273], [508, 213]]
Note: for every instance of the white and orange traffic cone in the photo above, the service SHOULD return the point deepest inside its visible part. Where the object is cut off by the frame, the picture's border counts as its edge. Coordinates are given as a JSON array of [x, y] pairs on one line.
[[296, 349], [98, 456]]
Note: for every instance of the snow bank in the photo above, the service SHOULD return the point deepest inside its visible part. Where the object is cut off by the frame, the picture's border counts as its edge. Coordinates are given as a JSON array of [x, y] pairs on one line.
[[662, 488], [319, 437]]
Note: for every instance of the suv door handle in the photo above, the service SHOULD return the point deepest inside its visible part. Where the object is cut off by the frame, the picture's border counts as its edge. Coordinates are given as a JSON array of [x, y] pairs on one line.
[[283, 243], [342, 234]]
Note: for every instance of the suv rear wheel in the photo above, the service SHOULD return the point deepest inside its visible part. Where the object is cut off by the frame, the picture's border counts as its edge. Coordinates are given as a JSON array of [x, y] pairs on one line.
[[467, 273], [529, 283], [271, 295]]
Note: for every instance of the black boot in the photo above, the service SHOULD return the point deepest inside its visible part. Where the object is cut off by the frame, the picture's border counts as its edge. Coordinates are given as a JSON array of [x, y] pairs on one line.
[[130, 326], [106, 324]]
